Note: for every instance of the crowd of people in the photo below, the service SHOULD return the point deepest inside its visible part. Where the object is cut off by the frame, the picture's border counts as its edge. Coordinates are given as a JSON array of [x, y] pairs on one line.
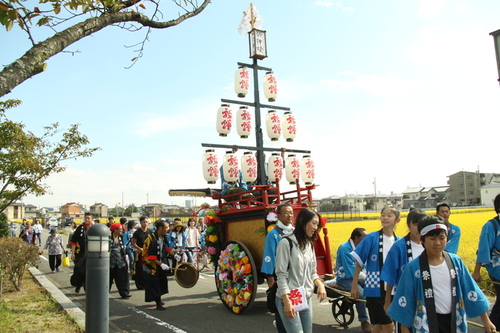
[[416, 283]]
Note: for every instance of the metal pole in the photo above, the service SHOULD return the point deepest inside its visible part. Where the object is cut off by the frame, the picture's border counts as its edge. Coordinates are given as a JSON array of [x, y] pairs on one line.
[[261, 163], [97, 283]]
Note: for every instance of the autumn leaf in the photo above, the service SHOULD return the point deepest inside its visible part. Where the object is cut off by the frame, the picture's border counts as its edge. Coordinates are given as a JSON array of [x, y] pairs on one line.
[[142, 6]]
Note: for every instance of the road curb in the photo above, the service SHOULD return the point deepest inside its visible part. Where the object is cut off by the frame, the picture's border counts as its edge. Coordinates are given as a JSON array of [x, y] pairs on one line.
[[71, 309]]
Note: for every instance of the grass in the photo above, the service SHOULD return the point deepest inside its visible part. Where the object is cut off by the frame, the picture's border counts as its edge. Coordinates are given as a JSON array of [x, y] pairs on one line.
[[32, 310]]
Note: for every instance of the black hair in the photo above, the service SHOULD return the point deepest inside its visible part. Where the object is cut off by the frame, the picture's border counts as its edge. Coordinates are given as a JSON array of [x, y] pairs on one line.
[[305, 215], [87, 214], [443, 204], [428, 220], [357, 232], [123, 220], [142, 218], [286, 204], [160, 223], [496, 203], [177, 219], [414, 216]]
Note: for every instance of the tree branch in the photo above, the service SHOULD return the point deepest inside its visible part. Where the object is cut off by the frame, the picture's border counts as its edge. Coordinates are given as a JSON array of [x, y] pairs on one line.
[[33, 61]]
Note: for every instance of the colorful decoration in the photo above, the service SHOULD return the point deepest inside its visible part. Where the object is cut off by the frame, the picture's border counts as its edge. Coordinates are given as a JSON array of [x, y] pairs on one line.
[[288, 126], [230, 167], [210, 166], [273, 125], [307, 170], [241, 81], [292, 169], [270, 86], [234, 277], [249, 167], [275, 168], [243, 122], [224, 120]]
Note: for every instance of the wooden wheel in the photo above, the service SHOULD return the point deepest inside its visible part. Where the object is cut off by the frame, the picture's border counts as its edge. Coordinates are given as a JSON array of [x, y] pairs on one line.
[[236, 277], [343, 311]]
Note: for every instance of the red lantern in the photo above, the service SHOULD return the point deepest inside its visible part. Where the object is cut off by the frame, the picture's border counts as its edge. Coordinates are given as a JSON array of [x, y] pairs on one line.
[[224, 120], [249, 167], [270, 86], [210, 166], [241, 81], [288, 126], [273, 125], [292, 169], [275, 168], [307, 170], [230, 167], [243, 122]]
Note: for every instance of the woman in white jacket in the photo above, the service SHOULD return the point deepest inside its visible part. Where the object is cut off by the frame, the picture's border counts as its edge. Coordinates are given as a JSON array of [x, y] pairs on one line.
[[295, 268]]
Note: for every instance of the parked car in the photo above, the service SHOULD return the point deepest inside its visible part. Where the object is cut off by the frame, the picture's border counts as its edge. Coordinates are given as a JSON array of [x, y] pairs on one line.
[[53, 223], [68, 221]]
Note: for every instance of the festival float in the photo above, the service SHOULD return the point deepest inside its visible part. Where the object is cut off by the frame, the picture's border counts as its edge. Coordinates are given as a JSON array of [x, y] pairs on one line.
[[246, 210]]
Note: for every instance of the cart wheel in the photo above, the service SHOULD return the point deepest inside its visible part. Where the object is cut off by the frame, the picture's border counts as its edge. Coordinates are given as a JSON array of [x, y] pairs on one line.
[[343, 311], [236, 277]]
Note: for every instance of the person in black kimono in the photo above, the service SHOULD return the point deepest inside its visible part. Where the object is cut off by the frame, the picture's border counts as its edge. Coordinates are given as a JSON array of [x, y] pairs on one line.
[[138, 239]]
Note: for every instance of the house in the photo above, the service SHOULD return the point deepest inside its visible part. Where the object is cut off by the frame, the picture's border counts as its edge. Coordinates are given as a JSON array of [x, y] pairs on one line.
[[30, 210], [15, 211], [99, 210], [425, 197], [488, 193], [465, 186], [359, 202], [71, 209]]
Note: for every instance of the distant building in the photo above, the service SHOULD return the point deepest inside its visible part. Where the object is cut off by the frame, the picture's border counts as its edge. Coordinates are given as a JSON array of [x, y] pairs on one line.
[[359, 202], [425, 197], [157, 210], [72, 209], [488, 193], [15, 211], [465, 187], [30, 210], [99, 210]]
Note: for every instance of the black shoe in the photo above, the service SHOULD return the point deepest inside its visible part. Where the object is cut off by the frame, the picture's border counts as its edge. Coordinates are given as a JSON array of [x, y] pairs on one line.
[[162, 303], [77, 290], [126, 296], [160, 308]]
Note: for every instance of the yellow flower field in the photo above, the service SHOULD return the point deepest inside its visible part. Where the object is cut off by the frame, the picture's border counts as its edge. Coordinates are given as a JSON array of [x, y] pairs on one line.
[[469, 222]]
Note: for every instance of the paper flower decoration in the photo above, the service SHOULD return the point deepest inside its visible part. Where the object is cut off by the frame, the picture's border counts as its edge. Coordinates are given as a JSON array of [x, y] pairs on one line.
[[272, 217]]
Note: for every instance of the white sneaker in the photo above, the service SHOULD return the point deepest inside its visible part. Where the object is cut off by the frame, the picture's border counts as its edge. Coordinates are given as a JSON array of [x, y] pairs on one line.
[[274, 324]]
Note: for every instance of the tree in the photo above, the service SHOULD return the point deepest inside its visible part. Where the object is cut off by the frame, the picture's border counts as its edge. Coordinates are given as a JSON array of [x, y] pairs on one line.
[[93, 16], [26, 159], [130, 209]]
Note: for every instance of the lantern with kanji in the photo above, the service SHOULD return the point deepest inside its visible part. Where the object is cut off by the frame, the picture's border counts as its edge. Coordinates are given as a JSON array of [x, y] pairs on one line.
[[288, 126], [249, 167], [243, 122], [275, 168], [210, 166], [292, 169], [241, 81], [230, 167], [273, 125], [307, 170], [270, 86], [224, 120]]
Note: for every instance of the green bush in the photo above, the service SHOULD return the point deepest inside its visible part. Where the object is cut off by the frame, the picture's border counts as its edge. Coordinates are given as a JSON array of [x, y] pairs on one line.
[[4, 225], [16, 257]]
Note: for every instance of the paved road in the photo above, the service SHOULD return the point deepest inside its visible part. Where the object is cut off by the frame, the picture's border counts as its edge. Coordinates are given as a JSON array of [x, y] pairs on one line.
[[197, 309]]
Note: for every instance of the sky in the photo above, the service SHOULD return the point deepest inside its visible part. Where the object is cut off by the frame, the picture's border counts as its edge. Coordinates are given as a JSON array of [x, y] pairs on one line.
[[397, 93]]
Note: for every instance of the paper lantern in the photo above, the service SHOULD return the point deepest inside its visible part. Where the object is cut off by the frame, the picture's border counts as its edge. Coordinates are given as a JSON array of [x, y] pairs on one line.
[[249, 167], [230, 167], [270, 86], [241, 81], [307, 170], [224, 120], [243, 122], [288, 126], [210, 166], [292, 169], [275, 168], [273, 125]]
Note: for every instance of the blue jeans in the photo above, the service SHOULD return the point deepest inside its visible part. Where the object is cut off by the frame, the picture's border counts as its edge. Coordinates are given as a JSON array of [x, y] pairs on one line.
[[131, 258], [302, 323], [360, 306]]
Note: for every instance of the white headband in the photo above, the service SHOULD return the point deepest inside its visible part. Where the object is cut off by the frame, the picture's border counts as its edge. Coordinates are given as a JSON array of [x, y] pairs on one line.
[[426, 230]]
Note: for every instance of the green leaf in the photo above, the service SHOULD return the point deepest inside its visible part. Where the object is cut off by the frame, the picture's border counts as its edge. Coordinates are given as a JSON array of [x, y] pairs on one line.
[[9, 25], [57, 8]]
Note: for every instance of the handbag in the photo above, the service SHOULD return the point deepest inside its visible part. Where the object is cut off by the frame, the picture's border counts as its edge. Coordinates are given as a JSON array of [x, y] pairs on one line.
[[271, 298], [65, 260], [298, 298]]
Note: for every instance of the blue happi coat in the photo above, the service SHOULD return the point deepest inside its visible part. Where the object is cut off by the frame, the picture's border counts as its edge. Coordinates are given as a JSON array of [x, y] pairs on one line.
[[366, 254], [489, 248], [393, 268], [453, 239], [408, 306]]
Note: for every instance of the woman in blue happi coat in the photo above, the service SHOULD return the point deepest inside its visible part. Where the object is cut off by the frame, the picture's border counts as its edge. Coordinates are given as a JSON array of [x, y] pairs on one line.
[[436, 293]]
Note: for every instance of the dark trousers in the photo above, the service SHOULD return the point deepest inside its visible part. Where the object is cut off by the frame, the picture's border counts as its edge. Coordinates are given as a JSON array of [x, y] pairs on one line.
[[138, 275], [120, 276], [156, 285], [54, 261], [495, 310]]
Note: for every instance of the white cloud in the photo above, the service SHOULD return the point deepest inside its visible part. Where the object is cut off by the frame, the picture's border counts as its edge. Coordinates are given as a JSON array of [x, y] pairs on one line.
[[430, 8], [334, 4], [380, 85]]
